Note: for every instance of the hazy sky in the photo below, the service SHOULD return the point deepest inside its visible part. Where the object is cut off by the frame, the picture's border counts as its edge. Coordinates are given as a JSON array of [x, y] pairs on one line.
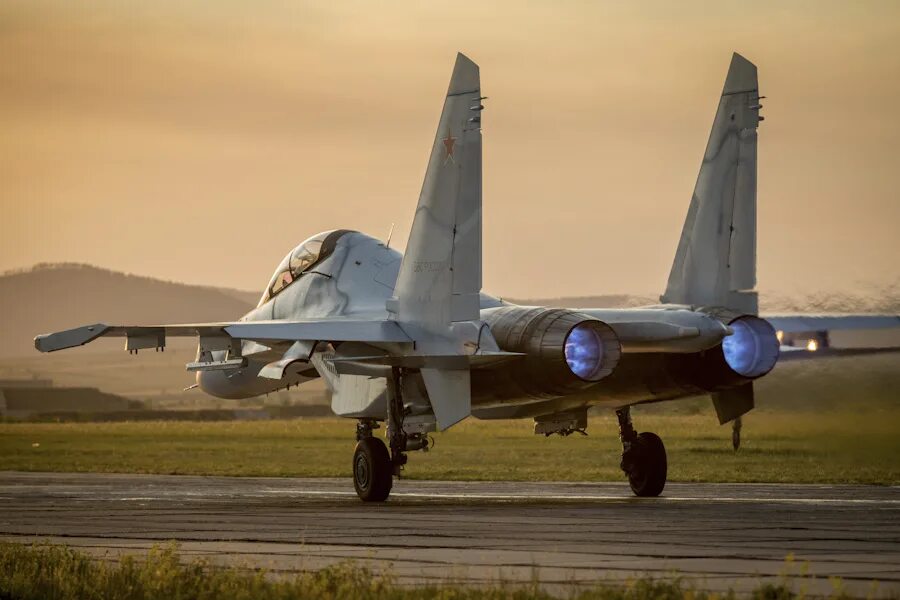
[[200, 141]]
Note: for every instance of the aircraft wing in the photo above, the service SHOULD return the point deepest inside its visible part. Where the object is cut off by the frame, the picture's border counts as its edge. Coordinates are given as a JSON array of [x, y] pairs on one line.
[[154, 336]]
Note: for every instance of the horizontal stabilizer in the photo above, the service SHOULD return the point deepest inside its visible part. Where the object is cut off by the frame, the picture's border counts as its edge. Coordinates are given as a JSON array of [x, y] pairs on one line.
[[811, 336], [803, 323], [792, 353]]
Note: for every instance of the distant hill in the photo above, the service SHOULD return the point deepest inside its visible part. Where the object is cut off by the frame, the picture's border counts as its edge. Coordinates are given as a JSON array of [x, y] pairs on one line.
[[50, 297], [250, 298]]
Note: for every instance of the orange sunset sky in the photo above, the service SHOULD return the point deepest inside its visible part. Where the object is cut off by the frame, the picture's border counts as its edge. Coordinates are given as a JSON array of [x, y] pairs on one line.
[[200, 141]]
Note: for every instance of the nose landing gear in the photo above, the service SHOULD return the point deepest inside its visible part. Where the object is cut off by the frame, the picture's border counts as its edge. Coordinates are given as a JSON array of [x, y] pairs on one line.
[[643, 457], [374, 466]]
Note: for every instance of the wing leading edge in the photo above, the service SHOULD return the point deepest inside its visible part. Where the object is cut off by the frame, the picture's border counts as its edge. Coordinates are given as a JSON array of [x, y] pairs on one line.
[[154, 336]]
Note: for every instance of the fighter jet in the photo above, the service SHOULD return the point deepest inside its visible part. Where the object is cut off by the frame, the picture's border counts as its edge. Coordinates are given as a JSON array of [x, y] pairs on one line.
[[410, 341]]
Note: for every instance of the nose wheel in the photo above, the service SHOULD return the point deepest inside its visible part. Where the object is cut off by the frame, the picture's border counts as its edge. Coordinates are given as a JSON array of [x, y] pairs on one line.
[[643, 457]]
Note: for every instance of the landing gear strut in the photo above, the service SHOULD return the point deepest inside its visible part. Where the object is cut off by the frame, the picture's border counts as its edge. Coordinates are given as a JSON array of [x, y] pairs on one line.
[[395, 414], [374, 466], [643, 457]]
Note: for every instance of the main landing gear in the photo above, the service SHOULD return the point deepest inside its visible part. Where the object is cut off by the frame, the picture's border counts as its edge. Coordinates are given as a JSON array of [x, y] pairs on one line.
[[373, 473], [643, 457], [374, 466]]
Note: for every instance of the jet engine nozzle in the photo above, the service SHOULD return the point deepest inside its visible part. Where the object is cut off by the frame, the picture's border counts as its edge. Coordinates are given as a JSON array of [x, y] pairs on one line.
[[748, 353], [565, 351], [752, 348]]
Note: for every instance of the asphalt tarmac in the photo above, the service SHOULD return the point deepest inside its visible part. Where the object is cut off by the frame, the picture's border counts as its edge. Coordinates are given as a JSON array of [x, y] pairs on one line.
[[718, 535]]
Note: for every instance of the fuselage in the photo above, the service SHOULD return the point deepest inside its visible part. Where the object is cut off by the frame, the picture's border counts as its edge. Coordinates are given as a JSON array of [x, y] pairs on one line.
[[354, 276]]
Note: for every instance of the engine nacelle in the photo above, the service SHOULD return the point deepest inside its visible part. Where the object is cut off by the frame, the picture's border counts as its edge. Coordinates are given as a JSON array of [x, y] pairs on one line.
[[748, 353], [751, 350], [565, 352]]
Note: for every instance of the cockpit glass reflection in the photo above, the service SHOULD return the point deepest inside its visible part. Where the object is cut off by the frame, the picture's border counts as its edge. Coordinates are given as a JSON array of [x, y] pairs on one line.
[[300, 260]]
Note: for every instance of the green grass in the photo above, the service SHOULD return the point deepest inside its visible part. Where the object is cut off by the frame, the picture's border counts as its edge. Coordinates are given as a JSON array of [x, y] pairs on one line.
[[842, 447], [46, 571]]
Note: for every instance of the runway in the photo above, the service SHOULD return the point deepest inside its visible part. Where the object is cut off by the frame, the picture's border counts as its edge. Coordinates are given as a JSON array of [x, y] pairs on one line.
[[721, 535]]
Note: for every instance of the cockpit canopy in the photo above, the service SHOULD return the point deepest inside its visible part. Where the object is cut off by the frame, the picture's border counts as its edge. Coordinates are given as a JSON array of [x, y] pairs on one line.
[[300, 260]]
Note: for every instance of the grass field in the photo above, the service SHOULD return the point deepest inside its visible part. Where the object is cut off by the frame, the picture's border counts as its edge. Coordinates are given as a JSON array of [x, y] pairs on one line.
[[837, 447], [38, 572]]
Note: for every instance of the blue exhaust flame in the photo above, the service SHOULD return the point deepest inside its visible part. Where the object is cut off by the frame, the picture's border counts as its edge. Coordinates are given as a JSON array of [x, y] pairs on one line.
[[740, 348], [584, 351], [752, 349]]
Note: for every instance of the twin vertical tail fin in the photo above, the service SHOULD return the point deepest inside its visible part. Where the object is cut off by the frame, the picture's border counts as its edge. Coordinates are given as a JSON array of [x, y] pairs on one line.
[[715, 264], [440, 277]]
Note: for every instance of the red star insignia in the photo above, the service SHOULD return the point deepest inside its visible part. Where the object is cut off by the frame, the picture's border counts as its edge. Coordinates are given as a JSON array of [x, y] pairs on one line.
[[448, 146]]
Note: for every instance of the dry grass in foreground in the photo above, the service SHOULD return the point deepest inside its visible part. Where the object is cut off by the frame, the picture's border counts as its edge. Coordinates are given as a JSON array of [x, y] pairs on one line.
[[47, 571]]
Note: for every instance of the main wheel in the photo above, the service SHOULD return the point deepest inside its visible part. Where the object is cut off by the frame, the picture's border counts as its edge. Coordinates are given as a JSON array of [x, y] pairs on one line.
[[372, 470], [647, 465]]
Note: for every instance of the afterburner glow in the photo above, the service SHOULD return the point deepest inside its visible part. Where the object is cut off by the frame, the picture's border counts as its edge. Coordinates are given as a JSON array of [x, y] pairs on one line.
[[752, 350], [584, 352]]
